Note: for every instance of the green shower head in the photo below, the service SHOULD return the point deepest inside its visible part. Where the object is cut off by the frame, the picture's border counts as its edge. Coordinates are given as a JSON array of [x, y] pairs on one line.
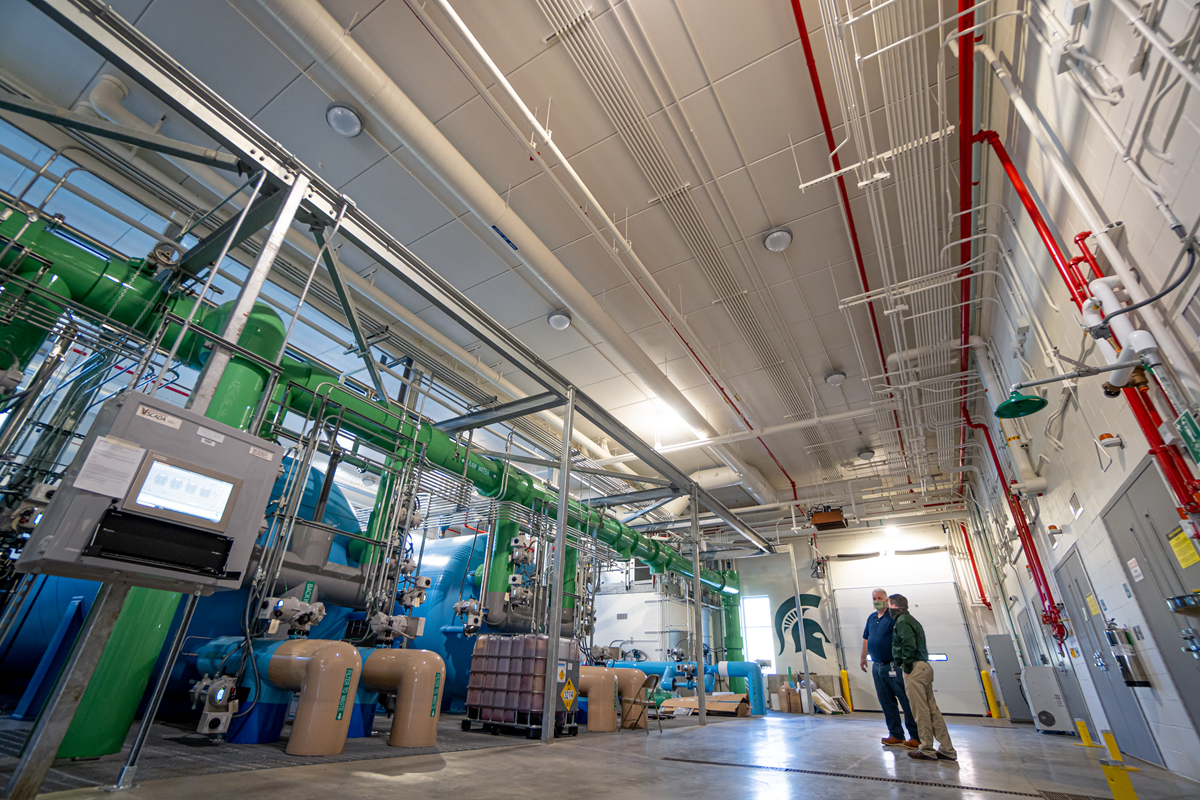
[[1020, 405]]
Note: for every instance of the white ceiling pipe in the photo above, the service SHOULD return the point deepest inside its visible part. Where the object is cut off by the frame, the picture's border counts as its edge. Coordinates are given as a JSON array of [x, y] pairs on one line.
[[105, 98], [327, 41], [715, 478], [742, 436], [1029, 481], [1094, 218], [894, 360]]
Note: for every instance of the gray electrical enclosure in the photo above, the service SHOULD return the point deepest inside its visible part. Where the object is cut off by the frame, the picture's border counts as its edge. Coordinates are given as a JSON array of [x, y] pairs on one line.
[[158, 496]]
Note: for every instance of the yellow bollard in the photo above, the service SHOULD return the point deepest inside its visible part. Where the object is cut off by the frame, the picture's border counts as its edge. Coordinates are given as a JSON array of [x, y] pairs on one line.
[[1117, 775], [993, 710], [1085, 735], [1114, 752], [846, 689]]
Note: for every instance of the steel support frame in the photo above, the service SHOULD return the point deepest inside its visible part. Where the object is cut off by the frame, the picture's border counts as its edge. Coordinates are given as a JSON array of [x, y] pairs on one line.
[[501, 413], [109, 130], [47, 735], [214, 368], [95, 24], [698, 607], [644, 496], [557, 573], [351, 311]]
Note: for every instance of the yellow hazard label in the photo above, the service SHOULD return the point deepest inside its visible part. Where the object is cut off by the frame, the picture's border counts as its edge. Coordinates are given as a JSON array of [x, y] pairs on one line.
[[568, 694], [1183, 547], [1093, 606]]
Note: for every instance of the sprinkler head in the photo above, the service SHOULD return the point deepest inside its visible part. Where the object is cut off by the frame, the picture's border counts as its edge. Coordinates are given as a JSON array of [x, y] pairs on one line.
[[1020, 405]]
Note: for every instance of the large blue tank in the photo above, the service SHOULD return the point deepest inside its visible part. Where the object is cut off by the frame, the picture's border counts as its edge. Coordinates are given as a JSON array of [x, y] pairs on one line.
[[450, 564]]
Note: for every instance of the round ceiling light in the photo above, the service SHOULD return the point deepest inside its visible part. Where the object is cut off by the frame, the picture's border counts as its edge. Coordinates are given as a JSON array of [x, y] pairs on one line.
[[344, 120], [559, 320], [836, 378], [777, 240], [866, 454]]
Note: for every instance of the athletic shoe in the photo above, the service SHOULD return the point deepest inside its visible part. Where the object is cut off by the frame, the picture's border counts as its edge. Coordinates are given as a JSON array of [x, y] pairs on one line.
[[891, 740], [921, 756], [912, 744], [945, 757]]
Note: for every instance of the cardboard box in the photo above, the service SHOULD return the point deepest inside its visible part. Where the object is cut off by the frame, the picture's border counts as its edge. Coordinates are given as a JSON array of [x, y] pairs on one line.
[[724, 705]]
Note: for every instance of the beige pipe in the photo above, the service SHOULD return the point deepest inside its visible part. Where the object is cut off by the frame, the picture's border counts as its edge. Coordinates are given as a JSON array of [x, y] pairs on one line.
[[326, 674], [417, 678], [599, 686], [629, 680]]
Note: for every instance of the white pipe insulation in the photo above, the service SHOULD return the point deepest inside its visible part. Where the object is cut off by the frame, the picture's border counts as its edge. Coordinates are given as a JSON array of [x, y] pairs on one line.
[[1028, 479], [1094, 218], [105, 100], [327, 41], [715, 478]]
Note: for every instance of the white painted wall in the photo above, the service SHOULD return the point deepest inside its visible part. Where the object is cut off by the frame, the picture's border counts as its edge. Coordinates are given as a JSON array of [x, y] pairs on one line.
[[1076, 467]]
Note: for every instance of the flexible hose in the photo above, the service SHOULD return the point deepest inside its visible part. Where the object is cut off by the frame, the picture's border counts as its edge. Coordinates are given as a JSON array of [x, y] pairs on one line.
[[1190, 244]]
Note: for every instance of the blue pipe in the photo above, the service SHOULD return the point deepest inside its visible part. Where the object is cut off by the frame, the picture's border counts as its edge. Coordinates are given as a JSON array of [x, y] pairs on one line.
[[754, 683]]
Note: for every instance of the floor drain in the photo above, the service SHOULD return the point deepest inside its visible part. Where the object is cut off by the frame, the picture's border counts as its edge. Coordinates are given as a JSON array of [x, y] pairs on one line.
[[960, 787]]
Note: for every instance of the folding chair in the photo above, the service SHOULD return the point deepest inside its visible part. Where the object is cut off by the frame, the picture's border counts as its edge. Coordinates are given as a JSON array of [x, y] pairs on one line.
[[644, 698]]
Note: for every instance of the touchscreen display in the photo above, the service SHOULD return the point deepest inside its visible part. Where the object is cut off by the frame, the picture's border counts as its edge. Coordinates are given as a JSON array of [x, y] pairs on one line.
[[180, 490]]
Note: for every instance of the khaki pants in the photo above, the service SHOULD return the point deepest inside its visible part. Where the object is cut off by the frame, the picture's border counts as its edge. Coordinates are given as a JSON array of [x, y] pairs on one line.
[[918, 684]]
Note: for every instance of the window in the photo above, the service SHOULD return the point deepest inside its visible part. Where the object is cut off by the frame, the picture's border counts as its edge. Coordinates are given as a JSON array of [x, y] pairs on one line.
[[757, 626], [641, 572]]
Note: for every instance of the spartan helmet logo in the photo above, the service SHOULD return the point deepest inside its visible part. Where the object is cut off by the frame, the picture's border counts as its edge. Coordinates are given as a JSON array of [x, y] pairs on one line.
[[786, 618]]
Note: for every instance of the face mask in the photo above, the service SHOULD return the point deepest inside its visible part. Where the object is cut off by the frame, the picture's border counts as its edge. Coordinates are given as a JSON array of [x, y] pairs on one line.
[[880, 605], [895, 612]]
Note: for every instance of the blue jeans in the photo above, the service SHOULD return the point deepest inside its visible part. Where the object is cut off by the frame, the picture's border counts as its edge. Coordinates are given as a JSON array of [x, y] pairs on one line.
[[889, 690]]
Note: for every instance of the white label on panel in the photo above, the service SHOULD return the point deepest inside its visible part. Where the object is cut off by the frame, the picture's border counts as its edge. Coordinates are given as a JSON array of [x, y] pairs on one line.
[[154, 415], [109, 467], [210, 435], [265, 455], [1134, 569]]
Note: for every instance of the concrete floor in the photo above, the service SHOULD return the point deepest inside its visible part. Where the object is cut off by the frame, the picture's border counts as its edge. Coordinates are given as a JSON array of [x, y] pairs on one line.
[[994, 762]]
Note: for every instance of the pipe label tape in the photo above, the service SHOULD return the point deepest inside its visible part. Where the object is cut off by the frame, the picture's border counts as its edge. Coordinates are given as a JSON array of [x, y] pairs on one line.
[[437, 684], [345, 691]]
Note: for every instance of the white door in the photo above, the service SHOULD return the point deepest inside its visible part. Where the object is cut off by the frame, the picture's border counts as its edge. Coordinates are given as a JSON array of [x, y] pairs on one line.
[[935, 606]]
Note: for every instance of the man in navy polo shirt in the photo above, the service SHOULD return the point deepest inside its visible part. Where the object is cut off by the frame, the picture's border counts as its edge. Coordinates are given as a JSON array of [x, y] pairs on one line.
[[889, 681]]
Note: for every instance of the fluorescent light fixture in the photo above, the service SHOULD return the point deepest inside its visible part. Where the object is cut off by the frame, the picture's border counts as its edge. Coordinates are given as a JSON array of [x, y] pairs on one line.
[[559, 320], [777, 240], [344, 120], [891, 531]]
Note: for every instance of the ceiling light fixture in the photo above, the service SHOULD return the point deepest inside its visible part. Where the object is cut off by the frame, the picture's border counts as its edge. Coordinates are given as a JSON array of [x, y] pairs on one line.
[[835, 378], [866, 454], [559, 320], [344, 120], [777, 240]]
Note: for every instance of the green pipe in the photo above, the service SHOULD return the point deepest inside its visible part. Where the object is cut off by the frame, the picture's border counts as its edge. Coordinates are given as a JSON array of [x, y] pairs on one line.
[[126, 292], [111, 699], [120, 289], [734, 645]]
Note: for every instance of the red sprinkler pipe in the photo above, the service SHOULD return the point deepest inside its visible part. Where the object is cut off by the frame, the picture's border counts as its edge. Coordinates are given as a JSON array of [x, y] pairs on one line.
[[1078, 293], [974, 566], [823, 110], [966, 201], [1050, 613]]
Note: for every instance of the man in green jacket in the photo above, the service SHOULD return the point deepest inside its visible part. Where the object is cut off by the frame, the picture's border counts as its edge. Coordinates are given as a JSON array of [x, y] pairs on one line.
[[911, 655]]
